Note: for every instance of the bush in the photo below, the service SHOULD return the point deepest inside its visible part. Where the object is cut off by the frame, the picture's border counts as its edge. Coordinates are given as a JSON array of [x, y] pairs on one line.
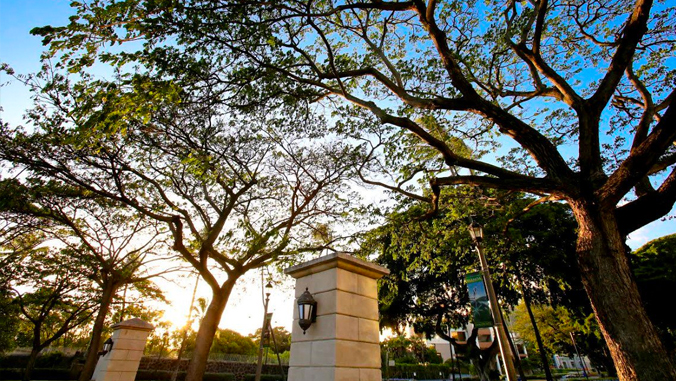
[[11, 374], [430, 371], [13, 361], [49, 360], [264, 377], [37, 374], [165, 375], [218, 377], [53, 360], [454, 364], [408, 359], [159, 375]]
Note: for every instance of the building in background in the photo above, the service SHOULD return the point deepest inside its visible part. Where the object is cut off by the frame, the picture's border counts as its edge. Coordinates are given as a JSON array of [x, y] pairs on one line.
[[572, 362]]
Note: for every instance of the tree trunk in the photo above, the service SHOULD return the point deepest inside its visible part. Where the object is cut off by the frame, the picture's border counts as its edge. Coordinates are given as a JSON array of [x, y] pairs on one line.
[[30, 365], [95, 343], [482, 369], [206, 332], [633, 342]]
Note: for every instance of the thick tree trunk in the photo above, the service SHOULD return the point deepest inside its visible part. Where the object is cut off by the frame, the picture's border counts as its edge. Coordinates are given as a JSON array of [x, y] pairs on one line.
[[482, 369], [95, 343], [30, 365], [206, 332], [633, 342]]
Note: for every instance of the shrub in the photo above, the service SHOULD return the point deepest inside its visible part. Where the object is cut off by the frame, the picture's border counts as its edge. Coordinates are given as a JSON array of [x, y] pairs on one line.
[[219, 377], [13, 361], [49, 360], [430, 371], [159, 375], [264, 377], [53, 360], [165, 375], [37, 374]]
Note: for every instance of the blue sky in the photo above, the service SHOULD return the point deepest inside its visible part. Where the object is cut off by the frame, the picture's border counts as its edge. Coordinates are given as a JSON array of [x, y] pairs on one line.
[[22, 52]]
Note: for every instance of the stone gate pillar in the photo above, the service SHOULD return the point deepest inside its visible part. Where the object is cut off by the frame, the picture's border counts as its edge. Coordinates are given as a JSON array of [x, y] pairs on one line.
[[121, 363], [343, 344]]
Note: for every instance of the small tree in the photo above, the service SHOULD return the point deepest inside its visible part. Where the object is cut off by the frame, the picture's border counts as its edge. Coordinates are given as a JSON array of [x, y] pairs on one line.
[[52, 292], [230, 342], [119, 247], [282, 339]]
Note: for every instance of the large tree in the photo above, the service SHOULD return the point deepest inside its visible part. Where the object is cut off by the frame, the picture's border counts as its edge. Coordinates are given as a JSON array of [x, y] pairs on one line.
[[582, 91], [235, 191], [428, 258]]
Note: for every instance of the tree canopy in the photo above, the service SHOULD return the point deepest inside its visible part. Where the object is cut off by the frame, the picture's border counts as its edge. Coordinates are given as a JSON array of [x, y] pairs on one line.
[[51, 290], [581, 93], [428, 258], [235, 191], [654, 266]]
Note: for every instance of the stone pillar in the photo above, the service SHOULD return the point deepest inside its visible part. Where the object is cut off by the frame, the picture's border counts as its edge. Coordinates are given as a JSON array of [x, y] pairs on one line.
[[343, 344], [121, 363]]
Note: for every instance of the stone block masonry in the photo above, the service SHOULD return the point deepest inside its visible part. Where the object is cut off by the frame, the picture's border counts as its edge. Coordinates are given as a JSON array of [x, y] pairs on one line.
[[122, 362], [343, 344]]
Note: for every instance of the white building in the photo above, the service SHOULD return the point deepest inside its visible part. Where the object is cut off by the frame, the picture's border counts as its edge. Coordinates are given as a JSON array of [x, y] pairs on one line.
[[574, 362]]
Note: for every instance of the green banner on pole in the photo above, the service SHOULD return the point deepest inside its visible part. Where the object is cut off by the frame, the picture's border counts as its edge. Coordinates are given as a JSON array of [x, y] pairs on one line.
[[478, 298]]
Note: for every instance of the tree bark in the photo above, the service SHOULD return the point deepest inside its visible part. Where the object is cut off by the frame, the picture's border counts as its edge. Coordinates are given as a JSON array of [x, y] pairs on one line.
[[95, 343], [207, 330], [632, 339], [30, 365]]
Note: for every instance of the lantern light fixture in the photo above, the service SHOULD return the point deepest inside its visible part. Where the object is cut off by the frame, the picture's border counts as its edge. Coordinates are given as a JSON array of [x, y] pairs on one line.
[[107, 347], [476, 231], [307, 310], [268, 289]]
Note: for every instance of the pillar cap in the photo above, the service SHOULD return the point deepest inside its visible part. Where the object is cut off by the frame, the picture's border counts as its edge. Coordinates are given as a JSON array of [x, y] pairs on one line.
[[135, 324], [340, 260]]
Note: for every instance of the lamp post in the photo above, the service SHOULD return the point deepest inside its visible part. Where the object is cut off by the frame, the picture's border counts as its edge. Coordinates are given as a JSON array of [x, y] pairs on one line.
[[584, 367], [259, 367], [477, 233]]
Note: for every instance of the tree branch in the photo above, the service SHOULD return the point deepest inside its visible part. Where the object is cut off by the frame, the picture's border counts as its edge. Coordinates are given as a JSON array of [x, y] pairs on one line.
[[648, 207], [640, 160], [636, 27]]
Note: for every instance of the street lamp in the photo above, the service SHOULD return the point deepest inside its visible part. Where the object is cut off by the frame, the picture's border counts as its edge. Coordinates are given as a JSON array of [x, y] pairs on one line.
[[584, 367], [307, 310], [477, 233], [264, 327]]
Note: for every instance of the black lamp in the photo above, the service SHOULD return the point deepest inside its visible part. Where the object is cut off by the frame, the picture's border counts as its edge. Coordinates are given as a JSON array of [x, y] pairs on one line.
[[268, 289], [476, 231], [107, 347], [307, 310]]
